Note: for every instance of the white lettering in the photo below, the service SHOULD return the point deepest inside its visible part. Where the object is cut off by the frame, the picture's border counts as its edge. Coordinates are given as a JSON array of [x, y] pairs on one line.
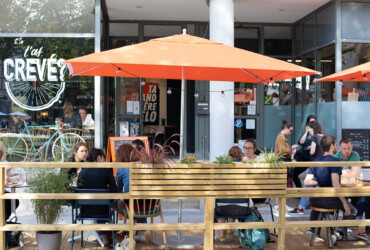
[[41, 69], [153, 116], [31, 69], [9, 76], [51, 69], [154, 98], [19, 69], [26, 51]]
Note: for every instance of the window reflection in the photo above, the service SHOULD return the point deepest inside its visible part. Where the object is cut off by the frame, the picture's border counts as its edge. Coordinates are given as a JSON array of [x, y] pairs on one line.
[[354, 54], [47, 16]]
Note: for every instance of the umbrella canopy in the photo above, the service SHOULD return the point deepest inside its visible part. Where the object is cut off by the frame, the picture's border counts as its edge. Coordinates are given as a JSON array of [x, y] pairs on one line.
[[2, 114], [18, 114], [201, 59], [360, 73]]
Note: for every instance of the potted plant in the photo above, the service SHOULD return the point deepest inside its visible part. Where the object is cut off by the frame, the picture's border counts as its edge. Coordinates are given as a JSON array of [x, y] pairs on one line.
[[48, 211]]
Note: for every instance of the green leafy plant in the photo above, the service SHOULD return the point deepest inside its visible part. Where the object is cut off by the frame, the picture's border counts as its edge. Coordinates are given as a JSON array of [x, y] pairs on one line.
[[249, 161], [49, 181], [270, 157], [224, 159], [190, 160]]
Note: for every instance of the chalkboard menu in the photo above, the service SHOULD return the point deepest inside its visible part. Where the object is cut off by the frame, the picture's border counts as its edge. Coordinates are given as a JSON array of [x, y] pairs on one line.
[[360, 139]]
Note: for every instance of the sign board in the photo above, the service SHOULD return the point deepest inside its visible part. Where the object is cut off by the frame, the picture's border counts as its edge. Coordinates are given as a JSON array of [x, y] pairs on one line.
[[239, 123], [115, 142], [360, 139], [151, 103]]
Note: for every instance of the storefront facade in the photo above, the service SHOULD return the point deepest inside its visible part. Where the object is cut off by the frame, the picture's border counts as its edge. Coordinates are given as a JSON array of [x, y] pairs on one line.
[[332, 37]]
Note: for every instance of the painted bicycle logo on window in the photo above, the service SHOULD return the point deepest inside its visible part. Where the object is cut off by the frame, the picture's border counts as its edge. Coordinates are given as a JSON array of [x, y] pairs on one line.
[[33, 83]]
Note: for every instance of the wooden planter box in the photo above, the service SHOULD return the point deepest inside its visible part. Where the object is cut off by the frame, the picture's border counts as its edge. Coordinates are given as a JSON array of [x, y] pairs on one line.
[[207, 180]]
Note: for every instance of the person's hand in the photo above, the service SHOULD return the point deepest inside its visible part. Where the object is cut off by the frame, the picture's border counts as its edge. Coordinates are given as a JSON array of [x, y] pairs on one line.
[[347, 209], [308, 148], [307, 129], [295, 146]]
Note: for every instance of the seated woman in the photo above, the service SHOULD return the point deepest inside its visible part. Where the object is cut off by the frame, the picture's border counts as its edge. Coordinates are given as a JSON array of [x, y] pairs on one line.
[[69, 118], [127, 153], [231, 207], [87, 120], [251, 151], [97, 178]]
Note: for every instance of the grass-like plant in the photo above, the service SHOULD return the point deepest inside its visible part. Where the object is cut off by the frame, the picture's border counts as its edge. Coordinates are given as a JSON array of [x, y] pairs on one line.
[[49, 181], [224, 159], [270, 157], [159, 154], [190, 160]]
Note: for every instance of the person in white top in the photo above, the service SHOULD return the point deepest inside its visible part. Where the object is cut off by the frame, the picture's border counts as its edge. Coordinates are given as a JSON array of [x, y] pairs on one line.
[[250, 150], [87, 120]]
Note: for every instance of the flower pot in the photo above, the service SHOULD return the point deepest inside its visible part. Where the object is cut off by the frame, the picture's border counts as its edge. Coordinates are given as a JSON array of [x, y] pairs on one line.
[[49, 240]]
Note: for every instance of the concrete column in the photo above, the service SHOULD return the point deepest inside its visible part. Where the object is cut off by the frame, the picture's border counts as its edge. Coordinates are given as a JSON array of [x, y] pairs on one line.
[[221, 29]]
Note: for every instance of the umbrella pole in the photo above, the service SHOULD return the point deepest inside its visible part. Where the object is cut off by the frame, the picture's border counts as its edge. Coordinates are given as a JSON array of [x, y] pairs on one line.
[[182, 119], [179, 240]]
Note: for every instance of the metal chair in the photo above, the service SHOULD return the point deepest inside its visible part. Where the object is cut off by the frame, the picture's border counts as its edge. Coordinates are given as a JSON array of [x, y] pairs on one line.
[[325, 214], [266, 202], [78, 214]]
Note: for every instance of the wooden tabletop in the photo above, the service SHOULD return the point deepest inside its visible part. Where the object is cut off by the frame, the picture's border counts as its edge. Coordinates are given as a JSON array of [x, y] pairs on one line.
[[359, 183]]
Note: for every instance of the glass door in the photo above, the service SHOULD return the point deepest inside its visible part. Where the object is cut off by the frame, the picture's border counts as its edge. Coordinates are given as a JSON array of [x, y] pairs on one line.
[[128, 107], [246, 112]]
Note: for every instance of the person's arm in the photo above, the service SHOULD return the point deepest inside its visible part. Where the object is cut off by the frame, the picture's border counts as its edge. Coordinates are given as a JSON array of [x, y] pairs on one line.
[[304, 137], [309, 181], [111, 182], [89, 122], [336, 183], [313, 148], [7, 175]]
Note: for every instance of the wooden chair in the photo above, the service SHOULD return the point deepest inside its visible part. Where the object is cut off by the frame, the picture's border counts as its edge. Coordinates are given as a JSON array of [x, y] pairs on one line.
[[146, 209], [84, 133], [325, 214]]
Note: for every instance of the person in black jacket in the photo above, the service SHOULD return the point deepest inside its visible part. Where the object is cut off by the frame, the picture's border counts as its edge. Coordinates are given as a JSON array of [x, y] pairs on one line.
[[97, 178]]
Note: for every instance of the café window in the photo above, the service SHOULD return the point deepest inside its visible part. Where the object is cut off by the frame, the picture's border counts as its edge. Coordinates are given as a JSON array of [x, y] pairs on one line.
[[35, 82]]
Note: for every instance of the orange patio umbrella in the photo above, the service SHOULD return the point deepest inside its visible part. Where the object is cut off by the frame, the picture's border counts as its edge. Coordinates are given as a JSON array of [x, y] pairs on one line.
[[201, 59], [185, 57], [360, 73]]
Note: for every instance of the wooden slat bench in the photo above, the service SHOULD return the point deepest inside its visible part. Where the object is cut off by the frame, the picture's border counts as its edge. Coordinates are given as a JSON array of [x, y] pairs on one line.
[[208, 181]]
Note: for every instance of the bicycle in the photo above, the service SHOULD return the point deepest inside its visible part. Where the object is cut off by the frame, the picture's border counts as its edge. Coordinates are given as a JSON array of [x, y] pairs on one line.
[[19, 150]]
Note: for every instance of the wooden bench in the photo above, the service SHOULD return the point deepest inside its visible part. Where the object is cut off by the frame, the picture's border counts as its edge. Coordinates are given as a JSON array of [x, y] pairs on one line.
[[208, 181]]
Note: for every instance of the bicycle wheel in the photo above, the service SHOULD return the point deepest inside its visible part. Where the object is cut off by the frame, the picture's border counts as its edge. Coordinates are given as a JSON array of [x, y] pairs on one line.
[[16, 149], [63, 146]]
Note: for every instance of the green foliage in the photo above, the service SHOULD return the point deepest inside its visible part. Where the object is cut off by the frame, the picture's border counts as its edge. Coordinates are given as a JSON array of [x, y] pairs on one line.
[[272, 158], [190, 160], [224, 159], [49, 181]]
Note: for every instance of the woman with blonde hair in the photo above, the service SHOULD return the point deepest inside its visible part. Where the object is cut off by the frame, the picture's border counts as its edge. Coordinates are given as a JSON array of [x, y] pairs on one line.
[[69, 119]]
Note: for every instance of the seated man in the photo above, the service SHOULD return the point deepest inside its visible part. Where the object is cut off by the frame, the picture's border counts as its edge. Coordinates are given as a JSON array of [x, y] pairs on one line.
[[345, 153], [328, 177]]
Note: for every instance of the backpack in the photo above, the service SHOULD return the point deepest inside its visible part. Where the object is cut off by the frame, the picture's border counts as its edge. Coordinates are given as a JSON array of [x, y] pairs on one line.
[[255, 238]]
